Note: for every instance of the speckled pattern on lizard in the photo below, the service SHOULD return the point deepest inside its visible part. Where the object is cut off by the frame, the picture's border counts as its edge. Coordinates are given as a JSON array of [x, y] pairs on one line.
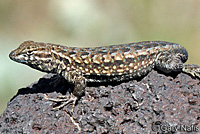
[[103, 64]]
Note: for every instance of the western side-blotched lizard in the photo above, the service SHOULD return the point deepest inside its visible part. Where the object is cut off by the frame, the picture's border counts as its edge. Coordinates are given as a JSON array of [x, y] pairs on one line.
[[104, 64]]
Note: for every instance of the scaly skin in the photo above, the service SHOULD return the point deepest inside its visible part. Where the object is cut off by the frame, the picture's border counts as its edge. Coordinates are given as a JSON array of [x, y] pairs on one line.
[[104, 64]]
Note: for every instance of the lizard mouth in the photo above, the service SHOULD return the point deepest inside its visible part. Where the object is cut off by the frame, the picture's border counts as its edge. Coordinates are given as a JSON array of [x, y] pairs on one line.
[[12, 55], [18, 58]]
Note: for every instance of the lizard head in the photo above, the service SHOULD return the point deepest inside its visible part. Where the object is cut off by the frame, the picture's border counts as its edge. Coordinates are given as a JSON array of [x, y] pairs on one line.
[[31, 53], [21, 54]]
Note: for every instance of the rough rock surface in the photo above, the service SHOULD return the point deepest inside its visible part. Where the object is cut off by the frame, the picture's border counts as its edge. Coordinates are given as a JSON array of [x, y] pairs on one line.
[[152, 104]]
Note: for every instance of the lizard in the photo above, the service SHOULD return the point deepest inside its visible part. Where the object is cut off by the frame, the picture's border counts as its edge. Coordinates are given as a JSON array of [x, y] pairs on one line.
[[103, 64]]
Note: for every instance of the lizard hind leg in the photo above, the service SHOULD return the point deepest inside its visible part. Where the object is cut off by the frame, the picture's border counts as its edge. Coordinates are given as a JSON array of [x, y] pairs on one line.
[[168, 62], [192, 69]]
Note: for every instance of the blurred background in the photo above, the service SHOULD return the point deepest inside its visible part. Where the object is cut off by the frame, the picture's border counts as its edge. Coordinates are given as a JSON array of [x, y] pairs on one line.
[[85, 23]]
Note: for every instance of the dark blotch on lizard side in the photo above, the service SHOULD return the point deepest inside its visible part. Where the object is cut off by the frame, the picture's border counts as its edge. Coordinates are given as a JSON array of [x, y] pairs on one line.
[[84, 53], [150, 45], [125, 49], [130, 60], [137, 47], [66, 61], [72, 52], [108, 64], [119, 62]]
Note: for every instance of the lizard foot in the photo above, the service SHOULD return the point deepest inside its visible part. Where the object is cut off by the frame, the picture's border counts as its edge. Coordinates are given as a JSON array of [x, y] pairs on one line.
[[192, 69], [65, 99]]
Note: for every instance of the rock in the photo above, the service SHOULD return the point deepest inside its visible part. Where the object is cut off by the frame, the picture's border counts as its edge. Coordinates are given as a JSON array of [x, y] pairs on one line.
[[154, 103]]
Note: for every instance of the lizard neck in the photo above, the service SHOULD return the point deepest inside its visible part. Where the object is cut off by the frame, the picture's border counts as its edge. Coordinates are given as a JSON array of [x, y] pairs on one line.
[[60, 59]]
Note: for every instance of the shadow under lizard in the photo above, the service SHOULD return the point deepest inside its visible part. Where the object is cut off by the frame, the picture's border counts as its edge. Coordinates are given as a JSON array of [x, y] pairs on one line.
[[103, 64]]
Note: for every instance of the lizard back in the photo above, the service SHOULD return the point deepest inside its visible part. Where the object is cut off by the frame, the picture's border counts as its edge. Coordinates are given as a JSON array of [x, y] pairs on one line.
[[100, 64]]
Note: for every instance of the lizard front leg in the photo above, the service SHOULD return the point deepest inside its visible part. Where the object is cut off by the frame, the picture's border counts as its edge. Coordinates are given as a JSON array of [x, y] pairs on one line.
[[79, 85], [77, 79]]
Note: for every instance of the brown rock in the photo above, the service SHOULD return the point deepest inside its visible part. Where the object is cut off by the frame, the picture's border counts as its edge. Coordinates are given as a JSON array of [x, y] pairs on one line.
[[131, 107]]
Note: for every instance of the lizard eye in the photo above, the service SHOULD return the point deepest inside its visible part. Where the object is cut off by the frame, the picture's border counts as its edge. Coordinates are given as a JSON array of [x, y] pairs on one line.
[[25, 55]]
